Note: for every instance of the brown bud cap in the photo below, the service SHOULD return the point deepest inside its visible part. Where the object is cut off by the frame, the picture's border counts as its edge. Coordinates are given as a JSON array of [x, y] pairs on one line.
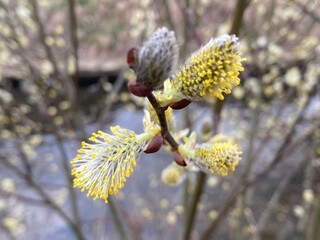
[[179, 159], [155, 144], [180, 104], [138, 90], [132, 57]]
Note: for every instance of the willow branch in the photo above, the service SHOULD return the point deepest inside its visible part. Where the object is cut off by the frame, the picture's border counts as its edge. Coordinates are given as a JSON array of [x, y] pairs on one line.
[[42, 37], [160, 111]]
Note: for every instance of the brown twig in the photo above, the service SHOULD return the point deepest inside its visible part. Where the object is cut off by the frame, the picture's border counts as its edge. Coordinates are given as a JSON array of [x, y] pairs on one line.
[[160, 111]]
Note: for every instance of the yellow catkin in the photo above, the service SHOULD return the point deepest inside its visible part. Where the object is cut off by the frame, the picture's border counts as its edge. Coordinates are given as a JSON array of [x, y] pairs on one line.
[[211, 71], [172, 175], [218, 158], [102, 168]]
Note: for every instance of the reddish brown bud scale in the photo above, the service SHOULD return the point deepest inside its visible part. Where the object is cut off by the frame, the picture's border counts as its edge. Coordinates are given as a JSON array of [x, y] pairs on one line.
[[180, 104], [138, 90], [179, 159], [132, 57], [155, 144]]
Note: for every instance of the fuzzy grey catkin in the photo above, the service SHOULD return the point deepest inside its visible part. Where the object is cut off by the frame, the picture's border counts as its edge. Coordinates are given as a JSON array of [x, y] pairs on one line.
[[157, 59]]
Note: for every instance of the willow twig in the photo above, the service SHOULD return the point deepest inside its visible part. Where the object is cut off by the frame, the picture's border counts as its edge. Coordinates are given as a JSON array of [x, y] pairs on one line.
[[160, 111]]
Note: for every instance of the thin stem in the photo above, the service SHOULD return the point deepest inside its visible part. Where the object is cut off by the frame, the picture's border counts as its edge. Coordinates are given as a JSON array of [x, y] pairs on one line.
[[238, 16], [168, 14], [160, 111], [115, 216], [42, 37], [314, 230], [192, 208], [73, 197], [74, 39], [70, 88]]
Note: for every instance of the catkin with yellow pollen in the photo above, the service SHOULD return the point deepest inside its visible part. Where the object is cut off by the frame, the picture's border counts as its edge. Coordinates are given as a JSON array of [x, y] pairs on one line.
[[211, 71], [214, 156], [102, 168]]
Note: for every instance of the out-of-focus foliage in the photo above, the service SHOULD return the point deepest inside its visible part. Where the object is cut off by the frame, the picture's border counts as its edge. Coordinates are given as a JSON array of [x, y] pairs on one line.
[[44, 115]]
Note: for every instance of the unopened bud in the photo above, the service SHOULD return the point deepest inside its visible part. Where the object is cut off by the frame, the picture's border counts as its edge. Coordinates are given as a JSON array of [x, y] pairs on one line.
[[155, 144], [138, 90], [156, 59]]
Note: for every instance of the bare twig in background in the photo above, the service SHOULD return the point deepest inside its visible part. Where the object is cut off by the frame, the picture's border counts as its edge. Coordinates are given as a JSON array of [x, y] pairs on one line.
[[274, 200], [166, 4], [109, 100], [46, 198], [217, 109], [307, 11], [73, 26], [14, 37], [189, 31], [314, 231], [67, 170], [43, 37], [283, 151], [313, 218], [70, 87]]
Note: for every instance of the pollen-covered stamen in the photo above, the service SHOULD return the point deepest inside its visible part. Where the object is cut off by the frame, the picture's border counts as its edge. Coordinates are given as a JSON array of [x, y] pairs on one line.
[[102, 168]]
